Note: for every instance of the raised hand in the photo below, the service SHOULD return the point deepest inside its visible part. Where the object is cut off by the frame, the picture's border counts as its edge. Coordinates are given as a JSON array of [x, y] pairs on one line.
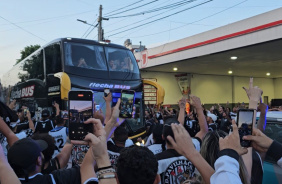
[[254, 93], [232, 141]]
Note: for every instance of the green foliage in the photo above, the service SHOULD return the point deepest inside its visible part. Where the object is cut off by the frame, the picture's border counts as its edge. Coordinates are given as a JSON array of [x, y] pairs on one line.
[[27, 51], [33, 68]]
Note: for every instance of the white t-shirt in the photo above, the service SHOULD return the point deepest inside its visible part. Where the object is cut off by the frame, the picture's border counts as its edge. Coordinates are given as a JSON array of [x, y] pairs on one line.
[[155, 148]]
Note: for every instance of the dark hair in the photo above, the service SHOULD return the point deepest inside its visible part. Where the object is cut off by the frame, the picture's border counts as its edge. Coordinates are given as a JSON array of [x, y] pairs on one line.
[[167, 128], [136, 165], [210, 149], [157, 134], [120, 134], [51, 144]]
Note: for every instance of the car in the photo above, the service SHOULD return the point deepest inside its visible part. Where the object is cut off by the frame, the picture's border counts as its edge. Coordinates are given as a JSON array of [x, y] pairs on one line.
[[272, 172]]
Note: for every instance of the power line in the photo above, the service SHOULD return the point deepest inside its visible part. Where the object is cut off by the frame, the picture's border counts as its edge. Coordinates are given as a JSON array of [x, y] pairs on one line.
[[88, 28], [22, 28], [155, 10], [124, 7], [133, 8], [161, 18], [92, 29], [146, 18], [192, 22], [63, 16], [128, 18]]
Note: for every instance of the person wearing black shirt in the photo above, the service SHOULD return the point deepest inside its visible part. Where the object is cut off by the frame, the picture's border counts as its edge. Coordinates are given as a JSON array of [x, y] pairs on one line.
[[26, 158], [45, 125]]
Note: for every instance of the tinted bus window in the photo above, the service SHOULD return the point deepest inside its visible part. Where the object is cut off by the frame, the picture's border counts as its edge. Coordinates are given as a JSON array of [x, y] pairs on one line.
[[33, 67], [274, 131], [121, 60], [85, 56], [53, 58]]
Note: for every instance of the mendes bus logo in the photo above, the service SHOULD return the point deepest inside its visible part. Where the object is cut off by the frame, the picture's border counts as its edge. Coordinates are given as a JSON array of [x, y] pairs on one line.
[[24, 92], [111, 86]]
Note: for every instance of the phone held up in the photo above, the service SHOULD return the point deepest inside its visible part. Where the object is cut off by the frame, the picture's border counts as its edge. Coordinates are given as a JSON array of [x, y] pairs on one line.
[[245, 121], [126, 105], [106, 92], [80, 109]]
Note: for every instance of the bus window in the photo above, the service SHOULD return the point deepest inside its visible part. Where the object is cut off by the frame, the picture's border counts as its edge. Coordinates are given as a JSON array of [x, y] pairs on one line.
[[121, 60], [32, 67], [85, 56], [53, 58]]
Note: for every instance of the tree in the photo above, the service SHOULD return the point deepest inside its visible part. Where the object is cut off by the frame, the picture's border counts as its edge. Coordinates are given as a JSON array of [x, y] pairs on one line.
[[27, 51]]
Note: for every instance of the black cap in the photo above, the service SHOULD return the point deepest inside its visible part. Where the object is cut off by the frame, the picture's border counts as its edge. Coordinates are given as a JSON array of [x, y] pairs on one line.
[[45, 113], [25, 151]]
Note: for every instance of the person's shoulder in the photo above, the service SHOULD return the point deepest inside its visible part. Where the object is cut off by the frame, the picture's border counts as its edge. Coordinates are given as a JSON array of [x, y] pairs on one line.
[[169, 153], [71, 175]]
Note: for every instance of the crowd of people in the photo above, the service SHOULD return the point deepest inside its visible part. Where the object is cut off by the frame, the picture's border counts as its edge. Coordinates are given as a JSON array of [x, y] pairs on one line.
[[199, 147]]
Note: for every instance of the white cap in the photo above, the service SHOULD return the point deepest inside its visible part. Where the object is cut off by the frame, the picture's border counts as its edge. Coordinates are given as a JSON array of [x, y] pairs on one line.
[[212, 116]]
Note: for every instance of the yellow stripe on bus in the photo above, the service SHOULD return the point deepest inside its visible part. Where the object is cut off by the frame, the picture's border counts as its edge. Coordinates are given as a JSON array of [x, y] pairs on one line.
[[137, 135]]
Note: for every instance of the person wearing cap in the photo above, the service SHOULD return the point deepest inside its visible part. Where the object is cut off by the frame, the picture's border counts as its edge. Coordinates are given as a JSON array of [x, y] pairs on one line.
[[211, 119], [24, 122], [45, 125], [26, 158]]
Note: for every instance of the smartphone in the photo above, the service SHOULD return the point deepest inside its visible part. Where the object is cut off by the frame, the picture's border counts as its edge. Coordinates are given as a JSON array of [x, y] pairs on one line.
[[126, 104], [245, 121], [80, 109], [106, 92]]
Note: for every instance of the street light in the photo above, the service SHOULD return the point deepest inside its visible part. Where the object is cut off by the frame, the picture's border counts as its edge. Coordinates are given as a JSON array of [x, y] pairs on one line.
[[85, 22]]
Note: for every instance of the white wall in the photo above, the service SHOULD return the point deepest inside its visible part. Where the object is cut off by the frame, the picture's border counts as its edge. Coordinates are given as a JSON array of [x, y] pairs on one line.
[[215, 89]]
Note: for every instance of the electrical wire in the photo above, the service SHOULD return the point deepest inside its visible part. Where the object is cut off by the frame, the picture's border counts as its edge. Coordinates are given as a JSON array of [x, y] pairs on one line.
[[134, 8], [88, 29], [177, 4], [124, 7], [92, 30], [191, 22], [22, 28], [161, 18], [146, 18], [56, 18]]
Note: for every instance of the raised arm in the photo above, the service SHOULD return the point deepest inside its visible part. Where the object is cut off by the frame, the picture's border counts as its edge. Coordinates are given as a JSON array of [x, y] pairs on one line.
[[181, 115], [30, 122], [263, 108], [98, 153], [182, 143], [254, 95], [114, 121], [57, 107], [227, 166], [7, 132], [7, 174], [201, 117], [65, 153]]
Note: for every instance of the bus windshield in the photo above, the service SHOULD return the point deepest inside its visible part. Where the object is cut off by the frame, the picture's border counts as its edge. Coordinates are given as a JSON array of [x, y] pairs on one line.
[[99, 57]]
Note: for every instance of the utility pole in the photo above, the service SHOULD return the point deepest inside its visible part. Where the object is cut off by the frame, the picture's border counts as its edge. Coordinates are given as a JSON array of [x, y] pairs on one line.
[[100, 29]]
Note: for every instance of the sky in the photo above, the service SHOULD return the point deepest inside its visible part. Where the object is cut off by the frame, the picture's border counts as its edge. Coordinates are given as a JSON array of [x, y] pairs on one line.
[[30, 22]]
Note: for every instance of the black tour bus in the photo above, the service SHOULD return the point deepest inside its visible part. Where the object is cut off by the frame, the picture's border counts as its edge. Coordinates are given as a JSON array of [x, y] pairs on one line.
[[66, 64]]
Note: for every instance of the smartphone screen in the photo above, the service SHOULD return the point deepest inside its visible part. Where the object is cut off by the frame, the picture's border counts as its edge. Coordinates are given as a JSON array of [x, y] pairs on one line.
[[106, 92], [245, 125], [126, 104], [80, 110]]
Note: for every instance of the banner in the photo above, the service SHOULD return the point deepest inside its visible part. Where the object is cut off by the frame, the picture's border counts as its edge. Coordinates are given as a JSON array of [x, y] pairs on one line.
[[183, 81]]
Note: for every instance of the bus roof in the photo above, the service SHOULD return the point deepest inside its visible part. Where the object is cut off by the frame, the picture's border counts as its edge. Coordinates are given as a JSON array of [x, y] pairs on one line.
[[81, 40]]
